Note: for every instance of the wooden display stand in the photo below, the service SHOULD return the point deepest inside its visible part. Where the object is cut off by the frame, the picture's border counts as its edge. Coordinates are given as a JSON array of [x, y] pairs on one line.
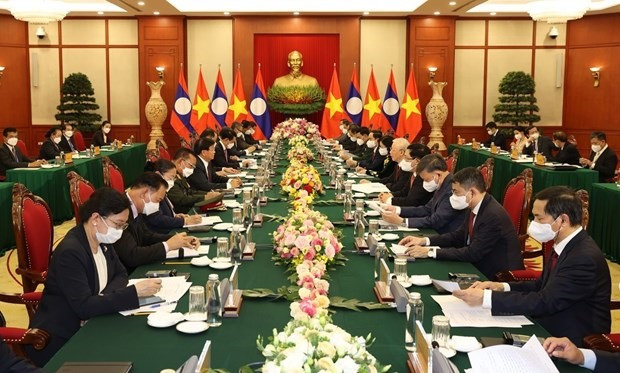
[[382, 287], [514, 154], [258, 220], [249, 253], [349, 217], [494, 149], [540, 159], [263, 201], [475, 145], [96, 151], [234, 299], [361, 244], [417, 361]]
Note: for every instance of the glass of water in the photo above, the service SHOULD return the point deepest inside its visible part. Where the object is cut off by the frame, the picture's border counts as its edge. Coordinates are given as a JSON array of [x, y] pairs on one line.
[[400, 269], [222, 248], [373, 227], [196, 302], [441, 330], [237, 217]]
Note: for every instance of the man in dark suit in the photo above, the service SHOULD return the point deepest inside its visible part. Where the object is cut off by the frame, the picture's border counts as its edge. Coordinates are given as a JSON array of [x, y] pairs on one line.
[[537, 143], [595, 360], [139, 245], [204, 177], [487, 239], [571, 297], [438, 213], [374, 161], [416, 195], [496, 137], [10, 155], [567, 152], [397, 178], [242, 147], [49, 148], [66, 143], [344, 128], [602, 158], [248, 133], [222, 150], [350, 143]]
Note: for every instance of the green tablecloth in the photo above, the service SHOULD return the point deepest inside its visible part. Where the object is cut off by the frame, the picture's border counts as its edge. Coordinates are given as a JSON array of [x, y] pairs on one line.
[[604, 226], [505, 169], [7, 238], [52, 184], [118, 338]]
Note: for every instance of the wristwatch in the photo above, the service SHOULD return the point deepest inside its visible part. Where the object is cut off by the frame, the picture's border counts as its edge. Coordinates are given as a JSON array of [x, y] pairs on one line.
[[432, 252]]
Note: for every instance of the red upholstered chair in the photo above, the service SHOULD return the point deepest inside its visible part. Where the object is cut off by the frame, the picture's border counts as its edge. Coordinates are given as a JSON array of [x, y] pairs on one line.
[[33, 227], [452, 159], [112, 175], [486, 169], [29, 300], [78, 141], [22, 147], [163, 153], [18, 338], [80, 191]]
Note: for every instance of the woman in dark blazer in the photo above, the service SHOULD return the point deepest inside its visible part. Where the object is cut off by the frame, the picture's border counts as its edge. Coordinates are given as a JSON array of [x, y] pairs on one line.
[[49, 148], [102, 136], [85, 277], [166, 219], [388, 164]]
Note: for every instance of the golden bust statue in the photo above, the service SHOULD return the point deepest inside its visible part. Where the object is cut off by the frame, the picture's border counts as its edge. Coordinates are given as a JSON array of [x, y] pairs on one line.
[[295, 77]]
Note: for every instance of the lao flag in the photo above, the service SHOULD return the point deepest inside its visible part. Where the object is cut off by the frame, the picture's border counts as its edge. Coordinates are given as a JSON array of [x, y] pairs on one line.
[[372, 116], [259, 109], [333, 112], [354, 104], [201, 110], [391, 106], [219, 105], [179, 119], [410, 119]]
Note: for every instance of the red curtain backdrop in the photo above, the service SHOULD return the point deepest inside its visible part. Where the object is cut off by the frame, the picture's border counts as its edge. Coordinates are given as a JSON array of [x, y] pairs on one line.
[[320, 52]]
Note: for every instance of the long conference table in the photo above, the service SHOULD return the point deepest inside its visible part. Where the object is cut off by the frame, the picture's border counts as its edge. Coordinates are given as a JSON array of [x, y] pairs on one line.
[[604, 225], [118, 338], [52, 185]]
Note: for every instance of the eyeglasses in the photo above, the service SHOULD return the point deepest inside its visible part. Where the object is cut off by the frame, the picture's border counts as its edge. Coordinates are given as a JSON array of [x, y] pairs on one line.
[[115, 224], [192, 166]]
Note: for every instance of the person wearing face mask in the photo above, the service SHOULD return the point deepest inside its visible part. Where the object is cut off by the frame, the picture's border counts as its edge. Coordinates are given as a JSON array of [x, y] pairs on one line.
[[86, 278], [567, 152], [487, 239], [397, 179], [101, 137], [344, 126], [241, 146], [572, 296], [388, 165], [10, 154], [520, 140], [416, 195], [437, 213], [249, 129], [350, 143], [537, 143], [204, 177], [496, 137], [223, 152], [374, 161], [602, 158], [362, 151], [49, 148], [66, 141], [166, 219], [139, 245], [183, 197]]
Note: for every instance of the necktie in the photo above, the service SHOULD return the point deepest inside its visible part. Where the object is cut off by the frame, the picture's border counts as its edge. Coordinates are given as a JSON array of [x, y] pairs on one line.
[[470, 225], [14, 154], [536, 146], [225, 153], [70, 145], [411, 180], [553, 261]]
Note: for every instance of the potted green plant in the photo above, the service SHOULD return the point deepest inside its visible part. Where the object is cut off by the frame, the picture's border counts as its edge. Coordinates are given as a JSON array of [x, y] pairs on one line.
[[517, 104], [296, 101], [77, 103]]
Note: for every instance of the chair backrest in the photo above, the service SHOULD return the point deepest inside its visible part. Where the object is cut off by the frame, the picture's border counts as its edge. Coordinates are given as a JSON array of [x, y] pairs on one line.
[[78, 141], [33, 227], [112, 175], [517, 197], [22, 147], [452, 159], [486, 169], [585, 205], [163, 153], [80, 191]]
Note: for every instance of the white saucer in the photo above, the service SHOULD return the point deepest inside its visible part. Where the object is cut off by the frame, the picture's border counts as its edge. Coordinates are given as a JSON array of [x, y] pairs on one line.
[[447, 352], [192, 327], [201, 261], [241, 228], [390, 236], [360, 195], [48, 165], [467, 346], [221, 260], [195, 317], [406, 284], [221, 265], [222, 226], [421, 280], [373, 213], [164, 319]]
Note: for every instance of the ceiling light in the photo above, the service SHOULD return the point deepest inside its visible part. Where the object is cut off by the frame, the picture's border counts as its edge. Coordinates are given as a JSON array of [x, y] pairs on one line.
[[38, 11], [303, 7], [295, 13], [437, 13], [141, 3], [492, 13], [156, 13], [453, 3], [557, 11], [226, 13], [366, 13]]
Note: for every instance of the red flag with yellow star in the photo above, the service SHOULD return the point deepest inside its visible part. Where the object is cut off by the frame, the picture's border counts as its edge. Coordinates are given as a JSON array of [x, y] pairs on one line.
[[237, 109], [201, 108], [334, 111], [410, 119], [372, 116]]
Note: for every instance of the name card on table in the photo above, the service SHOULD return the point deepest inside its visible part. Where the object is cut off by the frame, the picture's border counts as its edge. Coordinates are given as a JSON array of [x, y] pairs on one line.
[[494, 149], [514, 154], [382, 287], [540, 159], [401, 295], [96, 150], [419, 360], [204, 361], [475, 145], [68, 158], [232, 301]]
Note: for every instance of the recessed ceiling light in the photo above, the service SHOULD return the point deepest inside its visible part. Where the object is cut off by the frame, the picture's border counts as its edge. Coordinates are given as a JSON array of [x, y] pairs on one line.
[[141, 3], [366, 13], [156, 13], [492, 13], [437, 13], [226, 13], [452, 3], [100, 13], [295, 13]]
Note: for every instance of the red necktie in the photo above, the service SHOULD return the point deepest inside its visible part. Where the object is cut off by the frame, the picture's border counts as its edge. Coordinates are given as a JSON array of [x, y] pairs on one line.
[[470, 224], [553, 261], [411, 180]]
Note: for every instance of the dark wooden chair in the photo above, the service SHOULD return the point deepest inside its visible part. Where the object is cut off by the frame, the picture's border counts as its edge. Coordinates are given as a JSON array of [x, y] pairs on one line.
[[80, 191], [486, 169], [452, 160], [112, 175], [18, 338]]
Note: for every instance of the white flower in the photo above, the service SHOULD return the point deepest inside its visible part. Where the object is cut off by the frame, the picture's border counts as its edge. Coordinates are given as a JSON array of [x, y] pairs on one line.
[[326, 348], [271, 367], [347, 365], [327, 365], [294, 361], [269, 351]]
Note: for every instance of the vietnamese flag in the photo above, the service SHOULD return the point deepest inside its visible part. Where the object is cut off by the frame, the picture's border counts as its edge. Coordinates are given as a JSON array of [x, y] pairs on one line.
[[334, 111], [201, 110], [410, 119], [237, 109], [372, 116]]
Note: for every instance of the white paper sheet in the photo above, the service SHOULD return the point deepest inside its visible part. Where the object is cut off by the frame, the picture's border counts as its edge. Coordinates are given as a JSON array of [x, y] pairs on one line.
[[511, 359], [369, 188], [231, 203], [172, 289], [187, 253], [463, 315], [398, 249], [206, 220], [447, 285]]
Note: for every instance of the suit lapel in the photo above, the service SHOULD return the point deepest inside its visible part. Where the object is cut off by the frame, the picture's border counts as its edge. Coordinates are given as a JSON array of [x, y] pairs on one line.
[[565, 253]]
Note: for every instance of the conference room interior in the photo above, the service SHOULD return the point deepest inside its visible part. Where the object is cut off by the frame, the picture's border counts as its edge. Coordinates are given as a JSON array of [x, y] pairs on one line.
[[121, 51]]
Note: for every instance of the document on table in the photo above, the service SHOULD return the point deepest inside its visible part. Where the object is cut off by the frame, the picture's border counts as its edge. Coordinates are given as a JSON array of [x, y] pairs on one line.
[[355, 175], [524, 160], [463, 315], [172, 289], [447, 285], [206, 220], [231, 203], [370, 188], [511, 359], [187, 253]]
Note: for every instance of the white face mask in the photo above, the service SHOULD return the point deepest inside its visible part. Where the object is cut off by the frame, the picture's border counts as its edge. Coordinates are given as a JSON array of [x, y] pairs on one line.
[[68, 133], [518, 136], [430, 186], [535, 136], [170, 184], [12, 141], [106, 130], [371, 144], [56, 140], [113, 235], [360, 141], [490, 132], [345, 132], [383, 151], [150, 207], [405, 165], [596, 148], [352, 138], [187, 172], [240, 134], [230, 146], [541, 232], [253, 132], [342, 129], [248, 132], [459, 202]]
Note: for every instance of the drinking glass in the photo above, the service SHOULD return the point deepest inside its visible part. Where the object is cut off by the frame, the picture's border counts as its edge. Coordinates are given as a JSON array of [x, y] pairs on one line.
[[222, 247], [196, 301], [373, 227], [441, 330], [400, 269], [237, 217]]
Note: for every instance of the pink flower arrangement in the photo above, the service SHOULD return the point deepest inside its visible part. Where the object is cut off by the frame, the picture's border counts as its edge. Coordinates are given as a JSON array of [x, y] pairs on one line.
[[295, 127]]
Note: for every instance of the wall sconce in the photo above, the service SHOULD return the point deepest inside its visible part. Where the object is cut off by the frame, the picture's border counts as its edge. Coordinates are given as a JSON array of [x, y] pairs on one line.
[[596, 74], [431, 72], [1, 73], [160, 72]]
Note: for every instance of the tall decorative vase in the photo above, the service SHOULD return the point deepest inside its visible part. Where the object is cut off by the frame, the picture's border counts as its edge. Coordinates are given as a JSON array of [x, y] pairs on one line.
[[436, 114], [156, 112]]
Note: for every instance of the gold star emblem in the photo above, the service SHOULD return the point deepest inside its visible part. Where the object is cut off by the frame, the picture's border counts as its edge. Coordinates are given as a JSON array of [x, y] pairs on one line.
[[373, 107], [238, 107], [411, 106], [202, 106], [334, 105]]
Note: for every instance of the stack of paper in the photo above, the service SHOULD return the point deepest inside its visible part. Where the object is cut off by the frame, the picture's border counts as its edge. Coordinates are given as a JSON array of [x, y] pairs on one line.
[[463, 315], [172, 289], [206, 220], [370, 188], [511, 359]]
